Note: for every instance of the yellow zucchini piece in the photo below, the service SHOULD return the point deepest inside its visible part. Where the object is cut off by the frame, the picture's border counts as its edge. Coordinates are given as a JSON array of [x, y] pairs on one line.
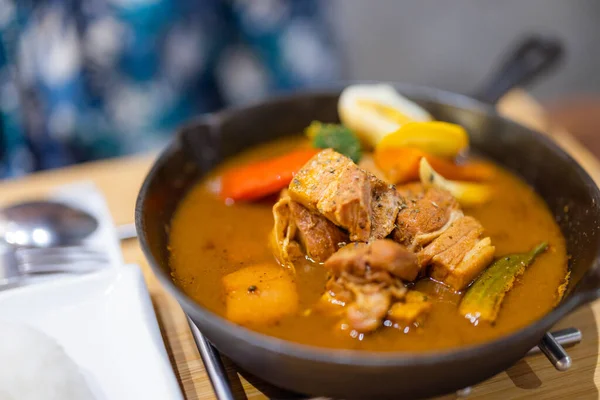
[[259, 294], [437, 138], [468, 194]]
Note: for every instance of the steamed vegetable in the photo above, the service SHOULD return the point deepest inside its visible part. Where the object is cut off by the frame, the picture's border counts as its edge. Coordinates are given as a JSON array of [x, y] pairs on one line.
[[467, 194], [262, 293], [484, 298], [401, 165], [374, 110], [414, 308], [437, 138], [257, 180], [336, 137]]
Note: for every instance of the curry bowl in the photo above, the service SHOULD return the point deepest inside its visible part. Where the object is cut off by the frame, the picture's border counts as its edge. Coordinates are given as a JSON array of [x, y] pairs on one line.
[[569, 192]]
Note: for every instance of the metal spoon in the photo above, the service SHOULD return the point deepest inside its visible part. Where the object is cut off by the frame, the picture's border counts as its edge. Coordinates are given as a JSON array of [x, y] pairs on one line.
[[46, 223]]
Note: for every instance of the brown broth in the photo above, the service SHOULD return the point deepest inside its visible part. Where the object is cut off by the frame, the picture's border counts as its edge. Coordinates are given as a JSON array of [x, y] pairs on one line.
[[210, 239]]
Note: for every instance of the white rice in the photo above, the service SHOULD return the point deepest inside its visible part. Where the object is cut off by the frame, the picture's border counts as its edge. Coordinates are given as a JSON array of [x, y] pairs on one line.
[[34, 367]]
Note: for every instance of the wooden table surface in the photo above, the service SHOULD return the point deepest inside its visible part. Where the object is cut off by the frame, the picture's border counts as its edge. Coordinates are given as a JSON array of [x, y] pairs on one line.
[[532, 377]]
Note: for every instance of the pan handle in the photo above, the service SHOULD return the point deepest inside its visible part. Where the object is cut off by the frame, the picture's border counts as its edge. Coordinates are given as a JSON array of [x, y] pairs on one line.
[[533, 57]]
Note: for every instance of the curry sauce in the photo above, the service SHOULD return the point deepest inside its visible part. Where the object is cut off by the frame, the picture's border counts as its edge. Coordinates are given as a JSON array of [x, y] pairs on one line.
[[210, 239]]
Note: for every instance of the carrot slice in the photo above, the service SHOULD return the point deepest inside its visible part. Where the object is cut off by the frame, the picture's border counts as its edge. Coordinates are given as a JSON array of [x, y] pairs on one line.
[[257, 180], [401, 165]]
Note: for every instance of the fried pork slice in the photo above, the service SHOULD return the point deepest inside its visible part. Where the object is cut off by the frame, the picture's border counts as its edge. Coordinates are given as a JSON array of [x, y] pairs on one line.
[[353, 199], [313, 179], [347, 203], [366, 279], [319, 237], [298, 232], [282, 239], [459, 254], [385, 205], [425, 216]]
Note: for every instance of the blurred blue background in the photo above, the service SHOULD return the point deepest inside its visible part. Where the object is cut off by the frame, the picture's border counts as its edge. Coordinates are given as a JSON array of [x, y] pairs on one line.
[[82, 81]]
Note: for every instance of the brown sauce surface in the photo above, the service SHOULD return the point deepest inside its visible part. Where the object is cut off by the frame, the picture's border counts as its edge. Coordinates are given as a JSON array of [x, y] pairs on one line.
[[210, 239]]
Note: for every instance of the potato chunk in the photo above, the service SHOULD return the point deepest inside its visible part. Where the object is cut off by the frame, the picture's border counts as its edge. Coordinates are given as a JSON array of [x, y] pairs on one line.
[[414, 308], [259, 294]]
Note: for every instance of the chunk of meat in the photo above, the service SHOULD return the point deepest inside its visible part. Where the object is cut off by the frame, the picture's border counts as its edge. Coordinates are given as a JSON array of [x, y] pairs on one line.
[[319, 236], [472, 264], [458, 255], [366, 279], [425, 217], [370, 306], [282, 239], [298, 231], [313, 179], [367, 260], [385, 206], [347, 202], [259, 294], [353, 199], [454, 243]]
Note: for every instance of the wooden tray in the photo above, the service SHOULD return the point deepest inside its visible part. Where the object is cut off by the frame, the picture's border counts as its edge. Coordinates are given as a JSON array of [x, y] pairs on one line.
[[532, 377]]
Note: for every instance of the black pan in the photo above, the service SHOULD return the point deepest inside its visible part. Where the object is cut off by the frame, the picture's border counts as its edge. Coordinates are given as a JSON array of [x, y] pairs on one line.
[[569, 192]]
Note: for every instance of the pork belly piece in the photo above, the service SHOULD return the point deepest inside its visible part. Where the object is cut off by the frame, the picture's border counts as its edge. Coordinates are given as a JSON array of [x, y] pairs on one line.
[[353, 199], [298, 232], [347, 202], [424, 216], [385, 205], [313, 179], [283, 236], [459, 254], [473, 263], [319, 237]]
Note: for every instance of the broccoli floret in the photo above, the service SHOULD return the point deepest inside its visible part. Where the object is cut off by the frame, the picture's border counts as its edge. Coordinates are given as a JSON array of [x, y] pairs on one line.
[[336, 137]]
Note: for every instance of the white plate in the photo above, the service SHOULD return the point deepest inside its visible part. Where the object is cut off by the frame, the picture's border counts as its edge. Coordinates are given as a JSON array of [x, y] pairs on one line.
[[106, 323]]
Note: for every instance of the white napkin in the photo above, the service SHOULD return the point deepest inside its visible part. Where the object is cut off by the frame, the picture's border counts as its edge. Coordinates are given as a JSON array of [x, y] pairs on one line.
[[87, 197]]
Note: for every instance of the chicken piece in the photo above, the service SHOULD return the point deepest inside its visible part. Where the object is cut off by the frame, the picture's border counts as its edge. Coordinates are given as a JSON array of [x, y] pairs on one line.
[[259, 294], [425, 217], [351, 198], [458, 255], [413, 309], [367, 260], [370, 306], [365, 279], [319, 237]]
